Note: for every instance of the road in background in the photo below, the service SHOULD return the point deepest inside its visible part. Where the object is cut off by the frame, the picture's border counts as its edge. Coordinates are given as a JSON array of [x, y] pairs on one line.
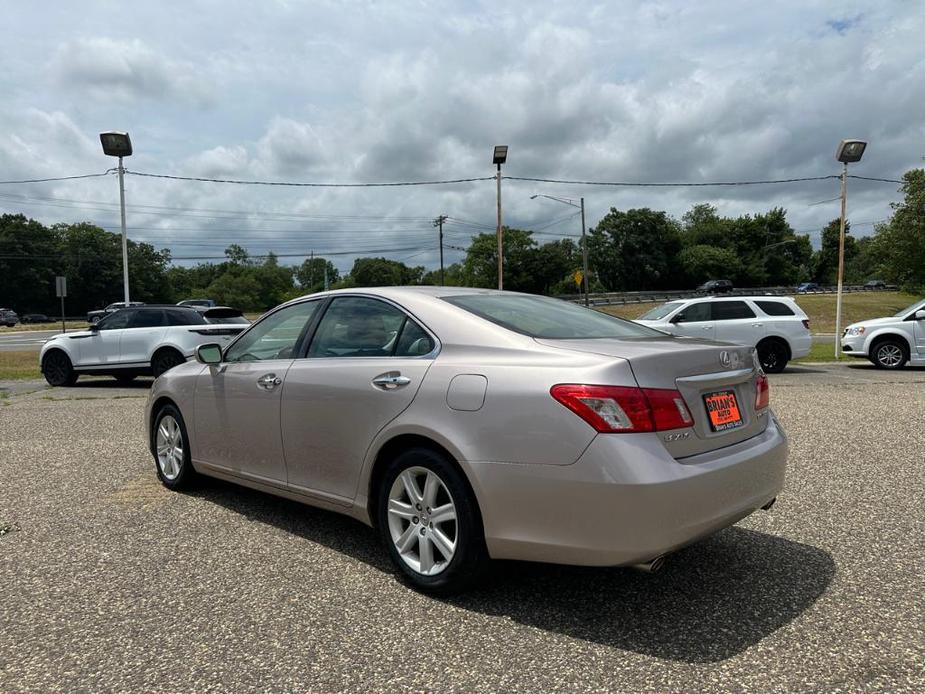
[[26, 340]]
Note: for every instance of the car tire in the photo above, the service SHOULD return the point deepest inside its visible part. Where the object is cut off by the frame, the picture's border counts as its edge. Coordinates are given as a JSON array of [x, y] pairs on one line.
[[773, 355], [418, 542], [165, 360], [94, 320], [58, 369], [889, 354], [171, 451]]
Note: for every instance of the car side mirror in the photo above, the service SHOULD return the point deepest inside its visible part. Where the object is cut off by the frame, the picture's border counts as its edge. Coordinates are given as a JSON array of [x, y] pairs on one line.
[[677, 319], [920, 315], [210, 354]]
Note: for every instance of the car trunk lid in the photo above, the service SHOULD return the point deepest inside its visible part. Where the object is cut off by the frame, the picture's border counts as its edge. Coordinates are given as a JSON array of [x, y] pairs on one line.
[[707, 374]]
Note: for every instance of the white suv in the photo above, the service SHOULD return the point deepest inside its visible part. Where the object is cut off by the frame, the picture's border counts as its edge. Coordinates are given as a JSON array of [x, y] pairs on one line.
[[775, 325], [135, 341], [889, 342]]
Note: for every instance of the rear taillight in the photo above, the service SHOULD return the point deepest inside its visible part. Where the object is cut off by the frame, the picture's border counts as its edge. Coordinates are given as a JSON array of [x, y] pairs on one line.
[[763, 398], [625, 409], [806, 323]]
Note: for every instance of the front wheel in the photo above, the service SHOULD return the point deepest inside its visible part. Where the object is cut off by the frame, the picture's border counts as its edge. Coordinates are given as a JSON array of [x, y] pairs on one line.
[[430, 522], [170, 446], [58, 370], [889, 354]]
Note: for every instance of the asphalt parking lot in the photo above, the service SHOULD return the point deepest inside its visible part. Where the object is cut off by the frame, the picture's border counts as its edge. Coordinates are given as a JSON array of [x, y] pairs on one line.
[[110, 582]]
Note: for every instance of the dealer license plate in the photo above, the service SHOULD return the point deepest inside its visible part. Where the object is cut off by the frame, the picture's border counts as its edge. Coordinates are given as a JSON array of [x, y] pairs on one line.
[[723, 410]]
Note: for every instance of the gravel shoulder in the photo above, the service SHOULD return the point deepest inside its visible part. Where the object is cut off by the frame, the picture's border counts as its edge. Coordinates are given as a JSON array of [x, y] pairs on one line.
[[110, 582]]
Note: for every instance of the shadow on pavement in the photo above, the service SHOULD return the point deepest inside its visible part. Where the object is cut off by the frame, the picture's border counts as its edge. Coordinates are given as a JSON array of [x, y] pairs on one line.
[[711, 601], [91, 382]]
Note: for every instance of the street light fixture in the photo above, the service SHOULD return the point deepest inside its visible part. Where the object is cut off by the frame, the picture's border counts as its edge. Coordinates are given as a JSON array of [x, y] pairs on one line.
[[498, 158], [848, 152], [116, 144], [584, 240]]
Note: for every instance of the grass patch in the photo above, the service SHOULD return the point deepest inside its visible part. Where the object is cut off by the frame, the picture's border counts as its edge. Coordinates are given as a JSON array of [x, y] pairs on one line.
[[27, 327], [18, 366], [820, 308]]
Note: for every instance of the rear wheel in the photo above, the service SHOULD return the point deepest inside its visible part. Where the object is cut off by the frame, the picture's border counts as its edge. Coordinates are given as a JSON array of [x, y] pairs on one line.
[[889, 354], [57, 369], [165, 360], [430, 523], [773, 355], [170, 445]]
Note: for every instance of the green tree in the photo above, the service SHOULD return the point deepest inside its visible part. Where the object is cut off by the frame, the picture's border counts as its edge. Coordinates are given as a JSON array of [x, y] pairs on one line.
[[635, 250], [311, 273], [702, 262], [274, 281], [454, 276], [901, 242], [825, 260], [382, 272], [481, 263], [30, 258]]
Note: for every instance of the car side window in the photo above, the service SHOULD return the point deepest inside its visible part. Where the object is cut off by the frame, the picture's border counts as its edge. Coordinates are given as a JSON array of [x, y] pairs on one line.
[[694, 313], [178, 317], [731, 310], [775, 308], [115, 321], [147, 319], [363, 327], [276, 336]]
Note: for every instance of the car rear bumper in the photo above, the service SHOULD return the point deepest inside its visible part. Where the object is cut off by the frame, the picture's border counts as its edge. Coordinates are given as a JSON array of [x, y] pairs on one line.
[[626, 500], [801, 346]]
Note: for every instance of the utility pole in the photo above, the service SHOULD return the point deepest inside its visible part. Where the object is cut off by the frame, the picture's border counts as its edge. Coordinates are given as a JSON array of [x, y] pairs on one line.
[[584, 252], [311, 269], [438, 222], [841, 259], [498, 158]]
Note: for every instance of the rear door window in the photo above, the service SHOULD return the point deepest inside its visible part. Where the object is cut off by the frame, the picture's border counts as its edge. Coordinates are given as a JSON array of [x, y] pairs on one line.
[[147, 319], [775, 308], [731, 310], [179, 317], [356, 326]]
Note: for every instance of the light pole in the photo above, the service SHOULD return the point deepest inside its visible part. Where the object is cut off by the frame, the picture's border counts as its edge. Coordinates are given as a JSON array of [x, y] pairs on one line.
[[584, 240], [499, 157], [848, 152], [116, 144]]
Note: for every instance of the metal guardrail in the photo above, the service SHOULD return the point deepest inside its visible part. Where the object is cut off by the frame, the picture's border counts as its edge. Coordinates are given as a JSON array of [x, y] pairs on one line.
[[610, 298]]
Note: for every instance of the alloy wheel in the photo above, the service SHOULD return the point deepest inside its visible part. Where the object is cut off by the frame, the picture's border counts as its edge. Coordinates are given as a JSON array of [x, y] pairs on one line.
[[169, 445], [422, 521], [890, 355], [57, 368]]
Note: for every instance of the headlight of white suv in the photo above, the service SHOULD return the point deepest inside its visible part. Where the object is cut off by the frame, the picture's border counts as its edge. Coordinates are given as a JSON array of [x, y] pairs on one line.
[[851, 332]]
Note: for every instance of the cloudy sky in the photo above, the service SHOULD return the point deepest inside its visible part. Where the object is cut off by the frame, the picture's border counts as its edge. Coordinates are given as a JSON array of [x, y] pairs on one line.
[[358, 92]]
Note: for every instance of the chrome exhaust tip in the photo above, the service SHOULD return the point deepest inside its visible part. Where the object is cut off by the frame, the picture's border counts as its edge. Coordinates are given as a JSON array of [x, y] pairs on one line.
[[650, 567], [767, 506]]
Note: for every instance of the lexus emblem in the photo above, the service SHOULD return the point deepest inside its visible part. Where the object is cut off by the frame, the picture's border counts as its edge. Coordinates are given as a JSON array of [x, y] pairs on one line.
[[730, 360]]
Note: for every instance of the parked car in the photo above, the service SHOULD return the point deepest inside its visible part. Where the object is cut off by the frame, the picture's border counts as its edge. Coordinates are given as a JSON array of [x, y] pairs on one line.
[[715, 287], [774, 325], [96, 316], [141, 340], [891, 342], [875, 284], [8, 317], [468, 424], [807, 287], [208, 303], [36, 318]]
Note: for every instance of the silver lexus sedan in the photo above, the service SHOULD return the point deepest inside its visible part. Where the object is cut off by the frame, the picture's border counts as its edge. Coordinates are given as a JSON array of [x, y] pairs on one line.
[[468, 424]]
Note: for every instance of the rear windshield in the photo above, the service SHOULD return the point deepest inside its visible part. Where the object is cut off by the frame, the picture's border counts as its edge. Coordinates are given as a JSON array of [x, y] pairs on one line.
[[225, 315], [660, 311], [539, 316]]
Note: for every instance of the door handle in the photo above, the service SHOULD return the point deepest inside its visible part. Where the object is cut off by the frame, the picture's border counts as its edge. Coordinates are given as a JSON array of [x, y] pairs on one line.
[[391, 380], [269, 381]]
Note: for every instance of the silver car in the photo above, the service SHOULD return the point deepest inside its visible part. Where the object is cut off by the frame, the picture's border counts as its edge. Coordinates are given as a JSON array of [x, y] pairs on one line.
[[468, 424]]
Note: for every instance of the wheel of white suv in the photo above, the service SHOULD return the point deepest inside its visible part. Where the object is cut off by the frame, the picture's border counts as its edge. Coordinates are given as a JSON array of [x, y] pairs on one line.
[[165, 360], [889, 354], [430, 523], [57, 369], [773, 355]]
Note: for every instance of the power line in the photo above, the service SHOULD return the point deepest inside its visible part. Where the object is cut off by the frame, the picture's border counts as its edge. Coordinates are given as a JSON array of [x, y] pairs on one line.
[[674, 185], [881, 180], [309, 185], [58, 178]]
